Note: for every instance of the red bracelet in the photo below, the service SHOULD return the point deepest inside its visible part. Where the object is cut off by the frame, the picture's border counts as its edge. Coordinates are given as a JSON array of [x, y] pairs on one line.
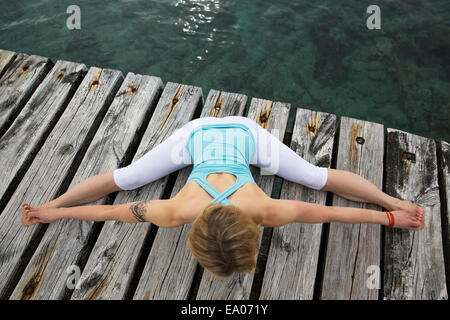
[[391, 219]]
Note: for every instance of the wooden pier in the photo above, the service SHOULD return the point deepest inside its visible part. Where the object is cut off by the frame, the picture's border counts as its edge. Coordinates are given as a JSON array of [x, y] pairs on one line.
[[63, 122]]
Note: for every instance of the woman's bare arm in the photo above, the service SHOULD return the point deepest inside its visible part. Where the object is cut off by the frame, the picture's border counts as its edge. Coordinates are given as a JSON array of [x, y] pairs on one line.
[[281, 212], [163, 213], [89, 190], [286, 211]]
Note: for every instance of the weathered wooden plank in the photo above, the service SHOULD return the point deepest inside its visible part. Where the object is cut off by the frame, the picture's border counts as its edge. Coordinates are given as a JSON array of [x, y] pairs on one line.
[[18, 84], [58, 157], [294, 251], [22, 141], [352, 248], [6, 58], [444, 184], [413, 260], [128, 113], [170, 267], [112, 263], [222, 104], [273, 116]]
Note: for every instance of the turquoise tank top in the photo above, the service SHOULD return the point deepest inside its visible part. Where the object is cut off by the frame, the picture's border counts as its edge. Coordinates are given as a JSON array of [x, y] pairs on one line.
[[221, 148]]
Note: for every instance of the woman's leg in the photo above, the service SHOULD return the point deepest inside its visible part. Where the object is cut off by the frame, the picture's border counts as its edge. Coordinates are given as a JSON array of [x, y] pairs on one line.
[[274, 157], [354, 187], [167, 157]]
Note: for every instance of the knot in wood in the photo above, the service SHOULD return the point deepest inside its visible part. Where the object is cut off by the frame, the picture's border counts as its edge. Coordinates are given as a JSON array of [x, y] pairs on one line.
[[191, 91], [311, 128], [24, 68], [408, 156], [66, 149], [286, 246], [360, 140], [95, 80], [28, 291], [60, 75], [132, 90], [263, 118]]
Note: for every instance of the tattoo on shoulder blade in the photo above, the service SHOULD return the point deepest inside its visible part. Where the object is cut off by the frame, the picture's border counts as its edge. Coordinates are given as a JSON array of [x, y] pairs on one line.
[[139, 211]]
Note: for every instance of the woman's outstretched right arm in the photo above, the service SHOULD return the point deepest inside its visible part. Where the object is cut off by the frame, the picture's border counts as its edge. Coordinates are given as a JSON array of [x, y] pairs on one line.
[[281, 212]]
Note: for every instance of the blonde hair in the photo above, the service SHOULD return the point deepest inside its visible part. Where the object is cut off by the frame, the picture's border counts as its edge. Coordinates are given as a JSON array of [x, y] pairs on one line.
[[224, 240]]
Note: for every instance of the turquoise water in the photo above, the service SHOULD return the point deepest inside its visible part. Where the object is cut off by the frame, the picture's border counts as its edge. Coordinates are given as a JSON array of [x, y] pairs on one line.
[[314, 54]]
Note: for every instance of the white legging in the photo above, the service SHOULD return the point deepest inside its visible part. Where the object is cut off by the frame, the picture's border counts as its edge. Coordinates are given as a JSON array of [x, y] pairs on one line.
[[271, 155]]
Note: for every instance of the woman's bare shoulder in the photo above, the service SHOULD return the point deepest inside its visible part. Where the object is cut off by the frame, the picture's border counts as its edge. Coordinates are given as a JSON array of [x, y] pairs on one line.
[[251, 198], [190, 201]]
